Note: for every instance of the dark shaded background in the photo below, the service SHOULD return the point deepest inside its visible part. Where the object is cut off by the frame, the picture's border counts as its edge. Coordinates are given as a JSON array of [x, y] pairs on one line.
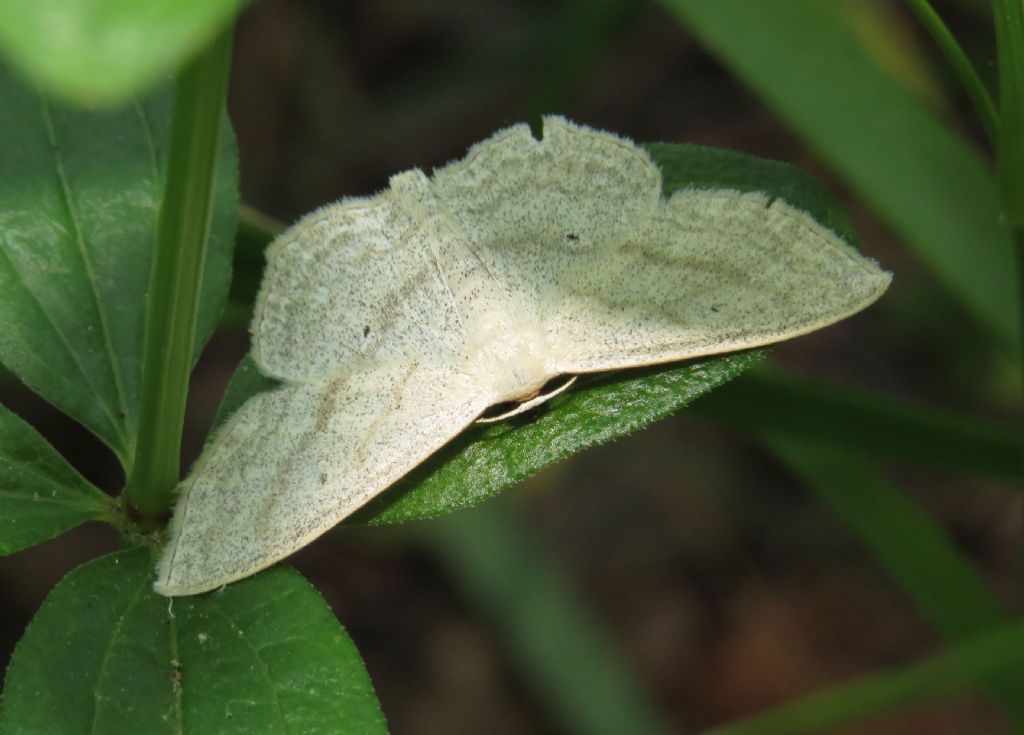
[[722, 584]]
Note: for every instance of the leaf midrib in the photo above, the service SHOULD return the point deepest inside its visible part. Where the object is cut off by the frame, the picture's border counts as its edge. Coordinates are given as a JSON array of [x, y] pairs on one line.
[[101, 310], [263, 668], [108, 652]]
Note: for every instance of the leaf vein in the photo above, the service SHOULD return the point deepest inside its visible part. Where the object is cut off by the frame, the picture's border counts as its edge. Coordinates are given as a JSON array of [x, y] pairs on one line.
[[108, 651], [67, 346], [87, 263], [264, 669], [81, 484], [175, 662]]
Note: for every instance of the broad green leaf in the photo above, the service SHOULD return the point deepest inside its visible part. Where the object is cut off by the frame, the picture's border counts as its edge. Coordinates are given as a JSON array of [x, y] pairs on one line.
[[486, 459], [106, 654], [105, 51], [41, 495], [79, 198], [546, 629], [991, 655], [927, 181]]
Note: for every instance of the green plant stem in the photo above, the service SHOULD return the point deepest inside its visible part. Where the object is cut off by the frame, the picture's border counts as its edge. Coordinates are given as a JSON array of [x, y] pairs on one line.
[[255, 226], [177, 274], [993, 654], [969, 79]]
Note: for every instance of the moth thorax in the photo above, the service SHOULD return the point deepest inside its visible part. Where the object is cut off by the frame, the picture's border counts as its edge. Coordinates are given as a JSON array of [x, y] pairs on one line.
[[511, 355]]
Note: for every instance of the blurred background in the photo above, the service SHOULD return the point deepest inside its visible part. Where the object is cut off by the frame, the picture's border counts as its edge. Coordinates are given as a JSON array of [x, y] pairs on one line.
[[714, 582]]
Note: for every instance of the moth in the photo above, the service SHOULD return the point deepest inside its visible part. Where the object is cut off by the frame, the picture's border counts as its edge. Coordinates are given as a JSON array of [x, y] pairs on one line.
[[394, 321]]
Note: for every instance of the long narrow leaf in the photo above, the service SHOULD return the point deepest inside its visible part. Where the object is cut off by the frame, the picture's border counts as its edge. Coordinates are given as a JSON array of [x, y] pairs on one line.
[[961, 65], [912, 548], [547, 630], [943, 584], [872, 424]]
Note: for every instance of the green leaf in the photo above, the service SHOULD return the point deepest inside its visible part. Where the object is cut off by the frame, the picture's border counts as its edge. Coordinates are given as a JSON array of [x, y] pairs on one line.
[[990, 655], [41, 495], [105, 654], [686, 166], [957, 60], [79, 200], [926, 180], [105, 51], [912, 547], [486, 459]]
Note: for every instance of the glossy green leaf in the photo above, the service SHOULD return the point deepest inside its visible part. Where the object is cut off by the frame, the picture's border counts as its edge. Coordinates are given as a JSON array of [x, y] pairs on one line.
[[925, 179], [79, 199], [106, 654], [41, 495], [106, 51], [486, 459]]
